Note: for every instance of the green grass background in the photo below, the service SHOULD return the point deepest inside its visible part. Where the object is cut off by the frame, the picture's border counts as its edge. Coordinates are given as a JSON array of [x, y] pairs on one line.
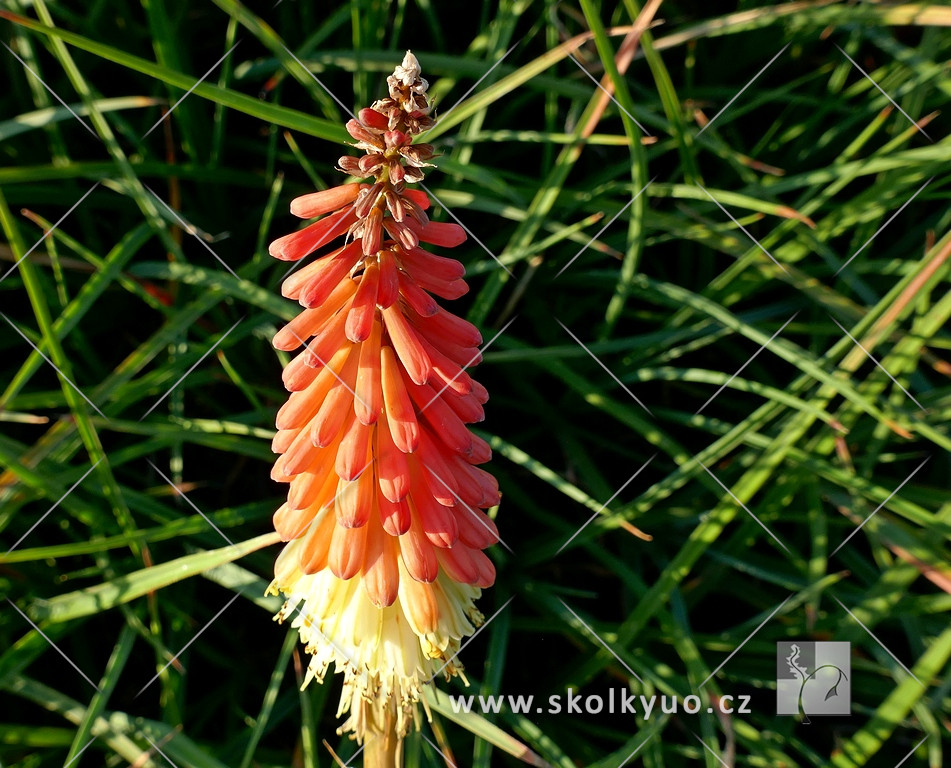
[[673, 297]]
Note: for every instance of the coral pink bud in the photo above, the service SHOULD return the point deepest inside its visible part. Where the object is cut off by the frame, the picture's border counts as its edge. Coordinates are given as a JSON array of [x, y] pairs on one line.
[[417, 551], [445, 235], [407, 345], [381, 571], [364, 136], [418, 196], [298, 244], [388, 291], [347, 548], [373, 119], [319, 203]]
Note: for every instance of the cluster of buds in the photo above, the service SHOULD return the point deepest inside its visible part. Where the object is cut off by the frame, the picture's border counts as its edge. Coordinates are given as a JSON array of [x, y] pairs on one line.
[[385, 518]]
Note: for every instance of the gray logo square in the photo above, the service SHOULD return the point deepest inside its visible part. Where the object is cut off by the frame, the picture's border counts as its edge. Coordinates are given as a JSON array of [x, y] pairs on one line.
[[813, 678]]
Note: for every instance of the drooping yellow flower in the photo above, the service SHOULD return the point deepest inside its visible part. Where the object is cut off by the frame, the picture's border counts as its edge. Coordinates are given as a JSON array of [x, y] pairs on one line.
[[384, 517]]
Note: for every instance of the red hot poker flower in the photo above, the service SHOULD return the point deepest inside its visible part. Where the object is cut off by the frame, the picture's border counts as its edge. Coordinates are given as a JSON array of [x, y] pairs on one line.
[[385, 513]]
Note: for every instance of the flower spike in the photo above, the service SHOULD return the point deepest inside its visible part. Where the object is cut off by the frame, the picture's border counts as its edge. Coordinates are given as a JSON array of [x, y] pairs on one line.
[[385, 518]]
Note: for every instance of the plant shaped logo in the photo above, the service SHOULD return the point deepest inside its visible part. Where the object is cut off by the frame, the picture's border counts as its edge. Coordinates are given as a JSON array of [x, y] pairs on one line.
[[813, 678]]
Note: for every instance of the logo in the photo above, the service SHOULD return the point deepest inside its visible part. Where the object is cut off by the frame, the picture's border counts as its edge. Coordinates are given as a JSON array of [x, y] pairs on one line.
[[813, 678]]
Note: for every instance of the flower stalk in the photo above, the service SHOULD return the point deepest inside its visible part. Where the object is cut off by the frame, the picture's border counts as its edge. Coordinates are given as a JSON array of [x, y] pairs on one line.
[[385, 519]]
